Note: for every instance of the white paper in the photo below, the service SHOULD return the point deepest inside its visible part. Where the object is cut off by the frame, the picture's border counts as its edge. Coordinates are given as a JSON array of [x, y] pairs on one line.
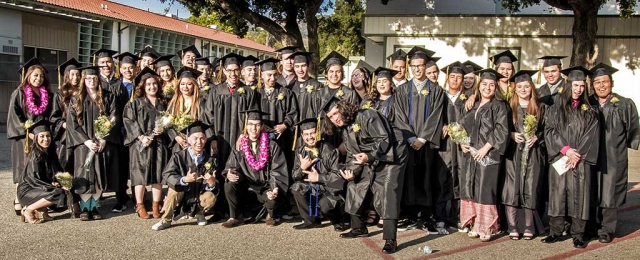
[[561, 165]]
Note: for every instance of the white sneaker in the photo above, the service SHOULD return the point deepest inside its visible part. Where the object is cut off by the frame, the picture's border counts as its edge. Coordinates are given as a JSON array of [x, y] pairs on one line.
[[161, 225], [442, 230], [202, 221]]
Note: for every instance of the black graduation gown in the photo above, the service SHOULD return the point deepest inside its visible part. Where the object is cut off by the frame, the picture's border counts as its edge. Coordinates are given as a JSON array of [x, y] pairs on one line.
[[419, 116], [525, 191], [322, 96], [36, 181], [283, 82], [446, 185], [115, 86], [545, 96], [383, 176], [385, 107], [18, 114], [486, 124], [330, 182], [145, 163], [222, 111], [172, 133], [619, 131], [572, 194], [178, 167], [106, 169], [274, 174], [304, 92], [59, 134]]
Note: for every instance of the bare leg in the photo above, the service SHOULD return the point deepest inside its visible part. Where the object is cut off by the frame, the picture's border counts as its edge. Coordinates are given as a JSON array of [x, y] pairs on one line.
[[16, 203], [139, 193], [40, 204], [156, 191], [512, 218]]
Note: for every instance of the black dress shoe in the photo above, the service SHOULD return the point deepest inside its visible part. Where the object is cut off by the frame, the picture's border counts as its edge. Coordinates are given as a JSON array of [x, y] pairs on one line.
[[604, 239], [578, 243], [551, 239], [390, 246], [340, 227], [306, 225], [356, 232]]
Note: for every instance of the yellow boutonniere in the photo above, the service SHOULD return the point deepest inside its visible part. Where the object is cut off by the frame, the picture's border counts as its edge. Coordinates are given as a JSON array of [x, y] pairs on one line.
[[614, 100], [240, 91], [314, 151], [281, 96], [463, 97], [254, 87], [424, 92], [340, 93], [367, 105], [207, 165], [584, 107], [560, 89], [355, 128], [309, 89]]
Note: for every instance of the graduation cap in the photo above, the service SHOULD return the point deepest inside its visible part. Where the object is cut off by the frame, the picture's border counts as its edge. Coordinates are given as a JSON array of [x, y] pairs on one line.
[[190, 48], [307, 124], [333, 58], [472, 66], [330, 103], [381, 72], [252, 114], [144, 74], [432, 62], [231, 58], [249, 61], [187, 72], [456, 67], [505, 56], [203, 61], [268, 64], [489, 74], [603, 69], [287, 50], [91, 70], [71, 64], [366, 68], [127, 57], [162, 61], [577, 73], [195, 127], [522, 76], [102, 53], [420, 53], [23, 70], [36, 128], [301, 57], [148, 51], [397, 55], [552, 60]]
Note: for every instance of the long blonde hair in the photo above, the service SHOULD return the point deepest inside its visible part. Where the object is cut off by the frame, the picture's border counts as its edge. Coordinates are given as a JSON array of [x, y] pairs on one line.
[[81, 95], [177, 101]]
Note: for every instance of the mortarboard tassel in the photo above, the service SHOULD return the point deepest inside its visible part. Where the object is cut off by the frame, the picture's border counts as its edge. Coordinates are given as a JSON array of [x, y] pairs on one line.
[[373, 84], [219, 76], [22, 75], [246, 119], [93, 62], [295, 138], [406, 68], [59, 85], [446, 79], [318, 130], [539, 75], [259, 85], [117, 69]]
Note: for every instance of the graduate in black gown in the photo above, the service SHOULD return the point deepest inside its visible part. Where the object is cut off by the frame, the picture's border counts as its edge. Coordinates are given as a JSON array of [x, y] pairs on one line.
[[318, 187], [191, 177], [163, 67], [147, 55], [147, 141], [361, 79], [256, 172], [287, 76], [304, 85], [503, 63], [398, 61], [448, 160], [29, 103], [523, 190], [487, 125], [376, 160], [188, 56], [619, 132], [249, 73], [39, 188], [187, 101], [418, 109], [334, 70], [205, 81], [70, 76], [381, 96], [224, 107], [102, 171], [572, 134], [470, 78], [281, 105], [549, 93]]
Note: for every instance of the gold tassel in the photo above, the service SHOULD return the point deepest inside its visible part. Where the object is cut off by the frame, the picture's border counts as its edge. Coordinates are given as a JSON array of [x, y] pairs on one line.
[[295, 138], [26, 142], [446, 79], [117, 69], [259, 85], [59, 85], [318, 130], [93, 63], [22, 75], [246, 120], [372, 84], [133, 93], [219, 76], [539, 75], [406, 68], [588, 86]]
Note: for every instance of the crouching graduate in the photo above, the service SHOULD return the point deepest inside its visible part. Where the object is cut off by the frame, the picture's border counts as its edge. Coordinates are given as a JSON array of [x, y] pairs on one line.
[[318, 185], [191, 177], [376, 160], [258, 171]]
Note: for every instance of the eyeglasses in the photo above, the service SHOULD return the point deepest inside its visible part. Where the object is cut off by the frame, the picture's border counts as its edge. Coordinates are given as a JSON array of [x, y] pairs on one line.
[[90, 79], [415, 67], [357, 76], [234, 71]]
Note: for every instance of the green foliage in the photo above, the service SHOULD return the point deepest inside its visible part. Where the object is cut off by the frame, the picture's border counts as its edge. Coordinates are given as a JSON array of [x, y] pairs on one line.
[[342, 30], [211, 19], [625, 7]]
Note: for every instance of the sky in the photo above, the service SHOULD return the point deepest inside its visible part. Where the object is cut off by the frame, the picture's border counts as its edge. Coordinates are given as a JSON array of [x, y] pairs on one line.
[[156, 6]]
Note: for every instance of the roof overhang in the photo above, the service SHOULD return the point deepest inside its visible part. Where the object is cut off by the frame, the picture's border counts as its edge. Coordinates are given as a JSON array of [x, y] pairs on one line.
[[34, 7]]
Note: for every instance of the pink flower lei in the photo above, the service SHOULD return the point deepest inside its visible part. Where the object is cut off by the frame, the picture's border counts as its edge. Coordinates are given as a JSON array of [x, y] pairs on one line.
[[44, 100], [264, 152]]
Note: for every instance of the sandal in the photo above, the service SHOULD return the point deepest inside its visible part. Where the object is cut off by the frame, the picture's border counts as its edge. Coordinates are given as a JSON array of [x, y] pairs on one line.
[[18, 209], [527, 236], [514, 236], [485, 238], [473, 234], [29, 217], [372, 218]]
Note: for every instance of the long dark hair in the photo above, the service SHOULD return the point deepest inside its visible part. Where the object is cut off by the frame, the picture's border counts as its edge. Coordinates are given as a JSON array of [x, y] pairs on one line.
[[348, 112], [140, 91], [25, 82], [568, 112], [66, 90], [82, 95]]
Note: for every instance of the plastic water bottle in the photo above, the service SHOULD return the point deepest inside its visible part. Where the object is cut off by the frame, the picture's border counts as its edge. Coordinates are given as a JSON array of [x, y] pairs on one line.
[[425, 250]]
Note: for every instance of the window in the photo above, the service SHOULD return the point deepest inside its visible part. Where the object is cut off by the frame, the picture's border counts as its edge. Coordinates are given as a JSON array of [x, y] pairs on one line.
[[241, 53], [8, 65], [228, 51], [49, 58], [495, 50], [205, 50], [214, 51]]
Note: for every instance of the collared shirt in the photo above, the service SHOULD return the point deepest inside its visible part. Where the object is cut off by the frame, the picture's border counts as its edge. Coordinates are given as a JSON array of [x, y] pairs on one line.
[[453, 98], [129, 86], [419, 85], [288, 78], [197, 159], [554, 88], [398, 82], [268, 91]]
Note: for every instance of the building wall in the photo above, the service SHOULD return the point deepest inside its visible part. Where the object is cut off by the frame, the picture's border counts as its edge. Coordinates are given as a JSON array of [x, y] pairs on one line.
[[49, 32]]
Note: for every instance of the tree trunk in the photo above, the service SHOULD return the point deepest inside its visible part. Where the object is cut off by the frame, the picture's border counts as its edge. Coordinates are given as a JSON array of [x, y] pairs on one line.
[[585, 27], [314, 46]]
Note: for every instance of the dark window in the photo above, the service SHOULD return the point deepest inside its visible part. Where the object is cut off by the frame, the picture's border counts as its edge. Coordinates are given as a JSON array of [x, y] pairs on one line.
[[9, 66], [49, 58]]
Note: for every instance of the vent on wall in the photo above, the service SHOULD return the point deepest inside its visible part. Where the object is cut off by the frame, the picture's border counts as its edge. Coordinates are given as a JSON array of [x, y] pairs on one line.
[[10, 49]]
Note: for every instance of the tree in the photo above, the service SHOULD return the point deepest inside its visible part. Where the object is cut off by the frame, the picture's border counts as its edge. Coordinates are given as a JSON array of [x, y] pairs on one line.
[[342, 30], [210, 19], [585, 23]]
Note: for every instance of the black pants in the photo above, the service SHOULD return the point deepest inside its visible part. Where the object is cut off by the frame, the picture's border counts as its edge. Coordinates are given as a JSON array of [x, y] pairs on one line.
[[577, 227], [328, 210], [608, 218], [238, 194], [389, 226]]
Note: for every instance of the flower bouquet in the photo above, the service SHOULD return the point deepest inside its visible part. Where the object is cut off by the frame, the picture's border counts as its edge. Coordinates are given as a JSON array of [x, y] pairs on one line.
[[168, 91], [26, 126], [101, 128], [459, 135], [66, 181], [530, 125], [181, 122]]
